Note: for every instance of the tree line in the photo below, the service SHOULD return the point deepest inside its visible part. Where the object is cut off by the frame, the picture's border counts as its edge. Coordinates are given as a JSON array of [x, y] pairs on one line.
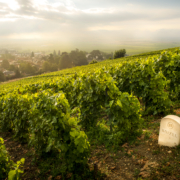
[[54, 61]]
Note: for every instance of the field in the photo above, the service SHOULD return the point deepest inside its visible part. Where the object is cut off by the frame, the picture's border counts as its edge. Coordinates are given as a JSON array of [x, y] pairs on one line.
[[99, 121]]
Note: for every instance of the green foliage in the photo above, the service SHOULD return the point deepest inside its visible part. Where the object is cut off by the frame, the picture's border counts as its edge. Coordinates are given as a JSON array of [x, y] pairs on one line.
[[96, 54], [169, 64], [12, 68], [54, 67], [141, 79], [14, 115], [46, 66], [90, 95], [7, 56], [45, 118], [7, 167], [51, 125], [124, 122], [17, 73], [93, 62], [59, 53], [54, 53], [15, 174], [49, 66], [65, 61], [8, 112], [120, 53], [32, 54], [78, 58], [2, 77], [126, 116], [53, 59], [27, 68], [5, 64]]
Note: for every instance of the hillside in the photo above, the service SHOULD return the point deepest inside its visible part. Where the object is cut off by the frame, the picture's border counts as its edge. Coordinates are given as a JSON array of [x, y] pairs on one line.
[[86, 68], [99, 121]]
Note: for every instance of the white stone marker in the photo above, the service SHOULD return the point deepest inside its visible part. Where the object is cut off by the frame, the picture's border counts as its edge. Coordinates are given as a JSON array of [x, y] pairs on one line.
[[169, 133]]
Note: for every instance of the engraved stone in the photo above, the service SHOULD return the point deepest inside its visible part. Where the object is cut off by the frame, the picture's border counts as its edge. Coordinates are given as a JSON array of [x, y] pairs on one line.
[[169, 133]]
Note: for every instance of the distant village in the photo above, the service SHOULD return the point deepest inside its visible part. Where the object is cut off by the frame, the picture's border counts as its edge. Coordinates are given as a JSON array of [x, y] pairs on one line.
[[14, 64], [15, 58]]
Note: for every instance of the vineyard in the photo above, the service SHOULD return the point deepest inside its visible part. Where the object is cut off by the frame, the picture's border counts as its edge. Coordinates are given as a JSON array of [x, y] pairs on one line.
[[62, 114]]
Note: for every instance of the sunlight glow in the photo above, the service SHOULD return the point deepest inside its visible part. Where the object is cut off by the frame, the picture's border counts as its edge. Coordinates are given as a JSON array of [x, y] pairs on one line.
[[26, 36], [98, 10], [105, 28], [11, 3]]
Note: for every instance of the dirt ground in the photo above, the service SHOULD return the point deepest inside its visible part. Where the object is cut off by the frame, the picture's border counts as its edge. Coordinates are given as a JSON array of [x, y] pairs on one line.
[[140, 161]]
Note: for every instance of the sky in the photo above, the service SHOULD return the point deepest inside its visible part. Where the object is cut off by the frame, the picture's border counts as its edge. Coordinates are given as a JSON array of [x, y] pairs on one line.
[[88, 23]]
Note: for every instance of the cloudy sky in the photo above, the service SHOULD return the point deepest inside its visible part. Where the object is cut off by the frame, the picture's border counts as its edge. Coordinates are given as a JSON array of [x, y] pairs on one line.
[[81, 23]]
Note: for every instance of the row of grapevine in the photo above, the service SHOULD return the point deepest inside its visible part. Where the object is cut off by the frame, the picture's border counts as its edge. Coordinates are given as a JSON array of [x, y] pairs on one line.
[[149, 85], [44, 121], [169, 64], [90, 93]]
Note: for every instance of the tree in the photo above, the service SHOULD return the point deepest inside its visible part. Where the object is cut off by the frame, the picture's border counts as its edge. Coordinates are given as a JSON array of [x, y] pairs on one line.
[[65, 61], [2, 77], [96, 54], [89, 57], [5, 64], [64, 53], [54, 53], [107, 55], [78, 58], [56, 60], [27, 68], [8, 56], [46, 66], [120, 53], [12, 68], [32, 54], [51, 58], [54, 67], [17, 73], [45, 58]]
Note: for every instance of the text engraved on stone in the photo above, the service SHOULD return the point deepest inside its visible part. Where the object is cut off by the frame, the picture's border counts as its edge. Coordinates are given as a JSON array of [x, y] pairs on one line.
[[169, 133]]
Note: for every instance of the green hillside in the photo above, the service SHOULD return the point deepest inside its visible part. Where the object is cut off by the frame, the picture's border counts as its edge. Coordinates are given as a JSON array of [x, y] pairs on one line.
[[61, 115], [84, 69]]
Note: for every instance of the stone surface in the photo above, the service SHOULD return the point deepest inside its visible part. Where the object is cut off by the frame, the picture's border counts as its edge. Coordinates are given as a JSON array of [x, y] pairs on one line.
[[169, 133]]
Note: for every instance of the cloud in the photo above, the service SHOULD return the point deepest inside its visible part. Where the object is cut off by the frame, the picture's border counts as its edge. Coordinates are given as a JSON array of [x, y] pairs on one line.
[[122, 3], [95, 21], [68, 11]]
